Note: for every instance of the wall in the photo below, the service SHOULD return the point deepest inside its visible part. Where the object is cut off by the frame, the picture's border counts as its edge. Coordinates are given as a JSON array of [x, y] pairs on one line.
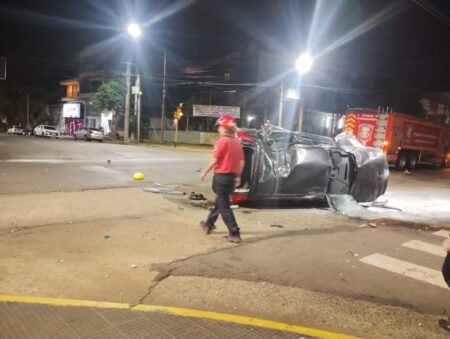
[[184, 137]]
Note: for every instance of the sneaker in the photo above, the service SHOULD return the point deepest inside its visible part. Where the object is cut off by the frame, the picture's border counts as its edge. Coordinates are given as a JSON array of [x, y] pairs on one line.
[[206, 228], [445, 324], [232, 238]]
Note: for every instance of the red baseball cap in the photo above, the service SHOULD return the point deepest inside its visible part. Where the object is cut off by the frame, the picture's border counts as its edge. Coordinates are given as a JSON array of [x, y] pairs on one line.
[[226, 121]]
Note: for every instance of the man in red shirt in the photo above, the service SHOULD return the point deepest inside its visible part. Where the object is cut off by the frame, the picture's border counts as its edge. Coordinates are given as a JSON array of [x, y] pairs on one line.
[[228, 163]]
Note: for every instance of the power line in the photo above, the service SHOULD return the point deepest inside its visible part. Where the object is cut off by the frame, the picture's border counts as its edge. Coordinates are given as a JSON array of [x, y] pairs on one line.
[[433, 11]]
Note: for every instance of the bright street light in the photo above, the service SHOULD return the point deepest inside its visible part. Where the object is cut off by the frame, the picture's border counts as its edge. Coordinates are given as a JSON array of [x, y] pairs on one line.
[[134, 30], [304, 63]]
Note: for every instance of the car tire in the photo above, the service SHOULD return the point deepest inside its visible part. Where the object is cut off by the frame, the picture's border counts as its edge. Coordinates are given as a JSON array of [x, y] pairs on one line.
[[100, 140], [400, 164], [413, 159]]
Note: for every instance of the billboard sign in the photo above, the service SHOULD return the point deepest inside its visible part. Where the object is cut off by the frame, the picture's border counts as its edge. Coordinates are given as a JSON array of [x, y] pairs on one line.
[[216, 111], [71, 110], [2, 68]]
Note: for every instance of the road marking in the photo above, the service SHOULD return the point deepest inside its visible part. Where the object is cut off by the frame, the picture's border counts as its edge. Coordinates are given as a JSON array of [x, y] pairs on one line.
[[230, 318], [406, 269], [425, 247], [442, 233]]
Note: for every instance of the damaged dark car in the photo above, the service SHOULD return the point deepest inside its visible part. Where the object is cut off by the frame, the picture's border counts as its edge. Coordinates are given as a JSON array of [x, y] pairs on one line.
[[286, 165]]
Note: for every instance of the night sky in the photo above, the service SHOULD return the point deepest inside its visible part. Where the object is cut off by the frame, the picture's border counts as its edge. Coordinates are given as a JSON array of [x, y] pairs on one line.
[[406, 42]]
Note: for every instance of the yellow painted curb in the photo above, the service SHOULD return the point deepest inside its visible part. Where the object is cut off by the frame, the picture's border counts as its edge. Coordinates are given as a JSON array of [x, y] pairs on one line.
[[237, 319], [230, 318]]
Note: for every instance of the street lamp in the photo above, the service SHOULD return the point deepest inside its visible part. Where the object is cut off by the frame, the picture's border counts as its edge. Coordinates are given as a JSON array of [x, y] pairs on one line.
[[304, 63], [303, 66], [134, 30]]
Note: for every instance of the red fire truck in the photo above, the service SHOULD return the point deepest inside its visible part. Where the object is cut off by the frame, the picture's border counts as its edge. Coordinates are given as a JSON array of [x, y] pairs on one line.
[[406, 140]]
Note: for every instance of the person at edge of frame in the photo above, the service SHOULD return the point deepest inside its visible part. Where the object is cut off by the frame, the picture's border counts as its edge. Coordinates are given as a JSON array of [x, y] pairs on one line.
[[228, 163]]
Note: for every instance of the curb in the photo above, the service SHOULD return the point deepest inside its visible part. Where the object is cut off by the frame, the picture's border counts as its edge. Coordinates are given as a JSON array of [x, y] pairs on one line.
[[229, 318]]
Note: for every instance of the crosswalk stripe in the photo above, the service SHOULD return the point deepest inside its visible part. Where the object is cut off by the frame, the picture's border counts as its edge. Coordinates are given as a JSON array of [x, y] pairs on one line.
[[406, 269], [442, 233], [425, 247]]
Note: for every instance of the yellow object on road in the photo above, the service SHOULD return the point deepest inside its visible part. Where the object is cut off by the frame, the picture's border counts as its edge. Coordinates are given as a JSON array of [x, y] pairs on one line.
[[138, 176]]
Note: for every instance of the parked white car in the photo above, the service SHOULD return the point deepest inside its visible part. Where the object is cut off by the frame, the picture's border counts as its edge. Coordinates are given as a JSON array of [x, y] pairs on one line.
[[15, 130], [88, 134], [46, 131]]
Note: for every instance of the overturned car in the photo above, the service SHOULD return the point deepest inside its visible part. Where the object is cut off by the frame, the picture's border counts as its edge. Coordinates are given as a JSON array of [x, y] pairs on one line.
[[286, 165]]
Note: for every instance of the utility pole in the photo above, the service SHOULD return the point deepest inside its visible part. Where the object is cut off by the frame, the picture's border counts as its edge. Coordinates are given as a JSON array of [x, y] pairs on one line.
[[163, 100], [28, 110], [127, 105], [138, 101], [280, 107]]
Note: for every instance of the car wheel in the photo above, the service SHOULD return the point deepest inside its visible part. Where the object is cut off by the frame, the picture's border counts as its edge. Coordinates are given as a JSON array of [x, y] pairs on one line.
[[400, 164], [100, 140], [412, 161]]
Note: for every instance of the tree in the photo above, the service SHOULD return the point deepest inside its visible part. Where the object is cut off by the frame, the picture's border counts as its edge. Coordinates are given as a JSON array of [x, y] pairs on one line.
[[111, 96]]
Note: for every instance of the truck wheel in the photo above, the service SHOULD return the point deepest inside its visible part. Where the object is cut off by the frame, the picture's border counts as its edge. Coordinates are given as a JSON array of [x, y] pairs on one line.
[[400, 164], [413, 158]]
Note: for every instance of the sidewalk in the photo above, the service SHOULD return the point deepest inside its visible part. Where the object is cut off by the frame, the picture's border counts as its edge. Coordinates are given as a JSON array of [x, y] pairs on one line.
[[32, 317]]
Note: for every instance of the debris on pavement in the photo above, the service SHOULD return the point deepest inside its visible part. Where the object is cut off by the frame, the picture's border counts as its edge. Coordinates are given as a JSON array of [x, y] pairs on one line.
[[234, 207], [353, 254], [406, 172], [106, 275], [61, 261], [276, 226], [106, 236], [138, 176], [196, 196], [347, 205], [162, 190], [133, 266], [108, 162]]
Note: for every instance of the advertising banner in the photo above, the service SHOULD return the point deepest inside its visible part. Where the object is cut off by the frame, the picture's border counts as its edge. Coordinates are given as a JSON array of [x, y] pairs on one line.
[[71, 110], [216, 111]]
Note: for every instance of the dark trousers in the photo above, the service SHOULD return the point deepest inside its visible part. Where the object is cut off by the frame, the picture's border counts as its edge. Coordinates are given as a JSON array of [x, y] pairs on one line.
[[446, 269], [223, 186]]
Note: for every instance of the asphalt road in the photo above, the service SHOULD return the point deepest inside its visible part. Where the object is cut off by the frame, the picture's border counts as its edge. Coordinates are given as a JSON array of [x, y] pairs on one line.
[[31, 165]]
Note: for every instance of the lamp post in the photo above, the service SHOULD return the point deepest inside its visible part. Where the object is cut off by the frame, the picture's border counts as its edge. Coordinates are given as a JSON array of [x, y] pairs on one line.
[[163, 100], [134, 30], [302, 65]]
